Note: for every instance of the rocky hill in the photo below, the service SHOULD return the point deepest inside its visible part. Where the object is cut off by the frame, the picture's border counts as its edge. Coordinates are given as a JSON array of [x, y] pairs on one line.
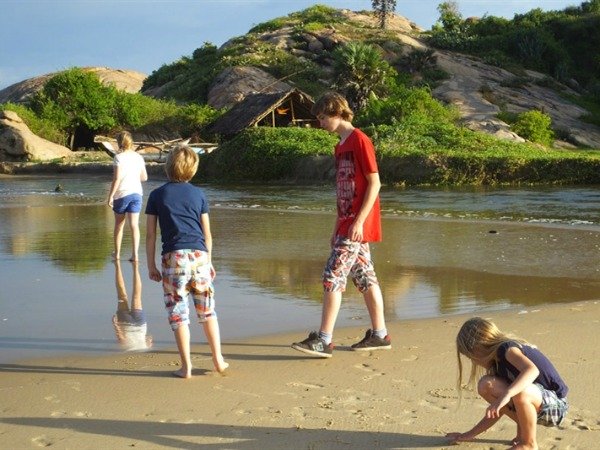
[[479, 91], [125, 80]]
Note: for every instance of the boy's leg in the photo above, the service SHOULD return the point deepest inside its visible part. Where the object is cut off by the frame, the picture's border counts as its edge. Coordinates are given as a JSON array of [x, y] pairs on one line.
[[202, 290], [175, 273], [364, 278], [182, 338], [374, 301], [331, 307], [213, 336], [341, 259]]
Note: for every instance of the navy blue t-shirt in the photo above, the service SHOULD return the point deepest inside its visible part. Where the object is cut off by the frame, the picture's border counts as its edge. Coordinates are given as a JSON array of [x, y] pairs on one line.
[[548, 377], [179, 207]]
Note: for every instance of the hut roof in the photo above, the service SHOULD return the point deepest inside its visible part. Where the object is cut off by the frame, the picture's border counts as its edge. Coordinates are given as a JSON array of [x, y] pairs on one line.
[[284, 108]]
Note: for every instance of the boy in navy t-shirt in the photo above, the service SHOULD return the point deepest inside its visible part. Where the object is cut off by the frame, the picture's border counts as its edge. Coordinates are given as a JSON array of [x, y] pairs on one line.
[[181, 210]]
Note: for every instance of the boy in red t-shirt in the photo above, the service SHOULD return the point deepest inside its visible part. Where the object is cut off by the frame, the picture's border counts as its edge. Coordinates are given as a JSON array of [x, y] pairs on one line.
[[358, 223]]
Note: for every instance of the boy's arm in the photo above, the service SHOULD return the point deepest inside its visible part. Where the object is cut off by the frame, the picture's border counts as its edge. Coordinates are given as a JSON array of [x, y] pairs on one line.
[[528, 372], [355, 232], [153, 272], [205, 222]]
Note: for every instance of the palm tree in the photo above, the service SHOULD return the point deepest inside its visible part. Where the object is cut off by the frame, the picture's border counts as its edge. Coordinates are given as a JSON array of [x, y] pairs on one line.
[[383, 9], [360, 72]]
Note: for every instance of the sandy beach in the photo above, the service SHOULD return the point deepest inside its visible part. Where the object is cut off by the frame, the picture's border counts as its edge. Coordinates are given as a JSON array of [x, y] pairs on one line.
[[273, 397]]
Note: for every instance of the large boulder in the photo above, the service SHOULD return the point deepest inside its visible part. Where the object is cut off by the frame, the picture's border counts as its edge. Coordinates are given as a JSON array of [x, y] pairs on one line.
[[125, 80], [480, 92], [234, 83], [18, 143]]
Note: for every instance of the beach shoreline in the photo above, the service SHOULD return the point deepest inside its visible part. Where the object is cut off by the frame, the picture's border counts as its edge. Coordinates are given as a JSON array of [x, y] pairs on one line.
[[273, 397]]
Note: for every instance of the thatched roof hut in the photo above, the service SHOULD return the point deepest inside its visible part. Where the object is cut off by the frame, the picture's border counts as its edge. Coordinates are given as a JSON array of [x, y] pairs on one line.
[[277, 109]]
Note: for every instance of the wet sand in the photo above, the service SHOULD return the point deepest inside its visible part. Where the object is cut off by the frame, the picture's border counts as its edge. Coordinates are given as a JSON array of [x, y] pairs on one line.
[[273, 397]]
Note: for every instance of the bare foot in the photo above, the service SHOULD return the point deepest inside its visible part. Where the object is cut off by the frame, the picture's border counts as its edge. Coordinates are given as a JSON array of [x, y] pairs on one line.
[[115, 256], [182, 373], [133, 259], [524, 447], [221, 366]]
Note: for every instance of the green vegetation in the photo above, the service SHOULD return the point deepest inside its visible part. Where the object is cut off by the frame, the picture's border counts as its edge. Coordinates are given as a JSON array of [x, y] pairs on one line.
[[534, 126], [418, 139], [75, 102], [418, 151], [266, 154], [563, 44]]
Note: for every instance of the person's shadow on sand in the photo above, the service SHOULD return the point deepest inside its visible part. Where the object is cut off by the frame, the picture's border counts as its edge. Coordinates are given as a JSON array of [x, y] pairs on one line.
[[206, 435]]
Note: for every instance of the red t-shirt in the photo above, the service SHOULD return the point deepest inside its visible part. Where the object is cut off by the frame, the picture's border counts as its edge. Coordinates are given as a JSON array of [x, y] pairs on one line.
[[354, 159]]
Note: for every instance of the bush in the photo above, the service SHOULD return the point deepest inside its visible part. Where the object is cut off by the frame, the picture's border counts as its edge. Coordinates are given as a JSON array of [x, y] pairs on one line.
[[267, 154], [43, 128], [76, 98], [534, 126]]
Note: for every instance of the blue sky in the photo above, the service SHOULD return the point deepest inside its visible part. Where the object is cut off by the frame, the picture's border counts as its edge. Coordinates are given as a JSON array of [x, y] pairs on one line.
[[43, 36]]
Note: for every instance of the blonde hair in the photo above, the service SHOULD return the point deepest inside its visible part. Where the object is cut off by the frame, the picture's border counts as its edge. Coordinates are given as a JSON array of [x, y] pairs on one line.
[[333, 104], [125, 140], [480, 338], [182, 164]]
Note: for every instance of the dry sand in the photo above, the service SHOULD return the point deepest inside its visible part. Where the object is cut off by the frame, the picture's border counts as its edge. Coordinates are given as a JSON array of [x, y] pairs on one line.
[[273, 397]]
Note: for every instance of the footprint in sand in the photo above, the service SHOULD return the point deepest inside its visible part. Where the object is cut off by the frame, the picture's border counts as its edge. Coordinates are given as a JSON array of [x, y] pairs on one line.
[[52, 398], [401, 383], [42, 441], [367, 368], [306, 386], [432, 405], [58, 413], [444, 393]]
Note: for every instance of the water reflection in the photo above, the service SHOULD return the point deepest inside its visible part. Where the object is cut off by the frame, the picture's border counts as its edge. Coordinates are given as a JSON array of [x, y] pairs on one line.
[[74, 237], [270, 258], [129, 322]]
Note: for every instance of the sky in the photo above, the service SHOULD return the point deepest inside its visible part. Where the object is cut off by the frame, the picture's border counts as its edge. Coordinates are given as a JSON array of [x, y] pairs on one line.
[[43, 36]]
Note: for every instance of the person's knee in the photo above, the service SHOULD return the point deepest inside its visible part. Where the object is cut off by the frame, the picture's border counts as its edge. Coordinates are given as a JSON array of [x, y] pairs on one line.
[[486, 386], [525, 397]]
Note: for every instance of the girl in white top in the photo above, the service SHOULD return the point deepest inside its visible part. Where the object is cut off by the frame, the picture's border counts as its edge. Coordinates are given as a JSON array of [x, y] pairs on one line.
[[125, 195]]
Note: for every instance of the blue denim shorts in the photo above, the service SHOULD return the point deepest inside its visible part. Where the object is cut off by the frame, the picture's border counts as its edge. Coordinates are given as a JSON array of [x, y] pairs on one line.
[[131, 203]]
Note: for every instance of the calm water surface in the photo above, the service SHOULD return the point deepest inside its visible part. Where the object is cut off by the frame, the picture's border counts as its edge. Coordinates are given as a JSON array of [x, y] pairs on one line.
[[445, 251]]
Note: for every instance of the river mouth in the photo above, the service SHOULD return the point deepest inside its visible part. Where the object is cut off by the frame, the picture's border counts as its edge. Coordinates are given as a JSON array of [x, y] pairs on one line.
[[270, 246]]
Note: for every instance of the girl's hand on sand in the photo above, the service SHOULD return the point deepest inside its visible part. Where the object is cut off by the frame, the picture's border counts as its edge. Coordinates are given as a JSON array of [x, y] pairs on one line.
[[493, 411]]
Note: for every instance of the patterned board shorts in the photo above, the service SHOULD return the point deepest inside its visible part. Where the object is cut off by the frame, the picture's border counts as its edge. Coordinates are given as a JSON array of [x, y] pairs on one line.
[[553, 409], [187, 273], [349, 258]]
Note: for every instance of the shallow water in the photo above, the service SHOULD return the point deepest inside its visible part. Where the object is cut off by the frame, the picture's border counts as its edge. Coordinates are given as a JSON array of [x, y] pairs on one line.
[[445, 251]]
